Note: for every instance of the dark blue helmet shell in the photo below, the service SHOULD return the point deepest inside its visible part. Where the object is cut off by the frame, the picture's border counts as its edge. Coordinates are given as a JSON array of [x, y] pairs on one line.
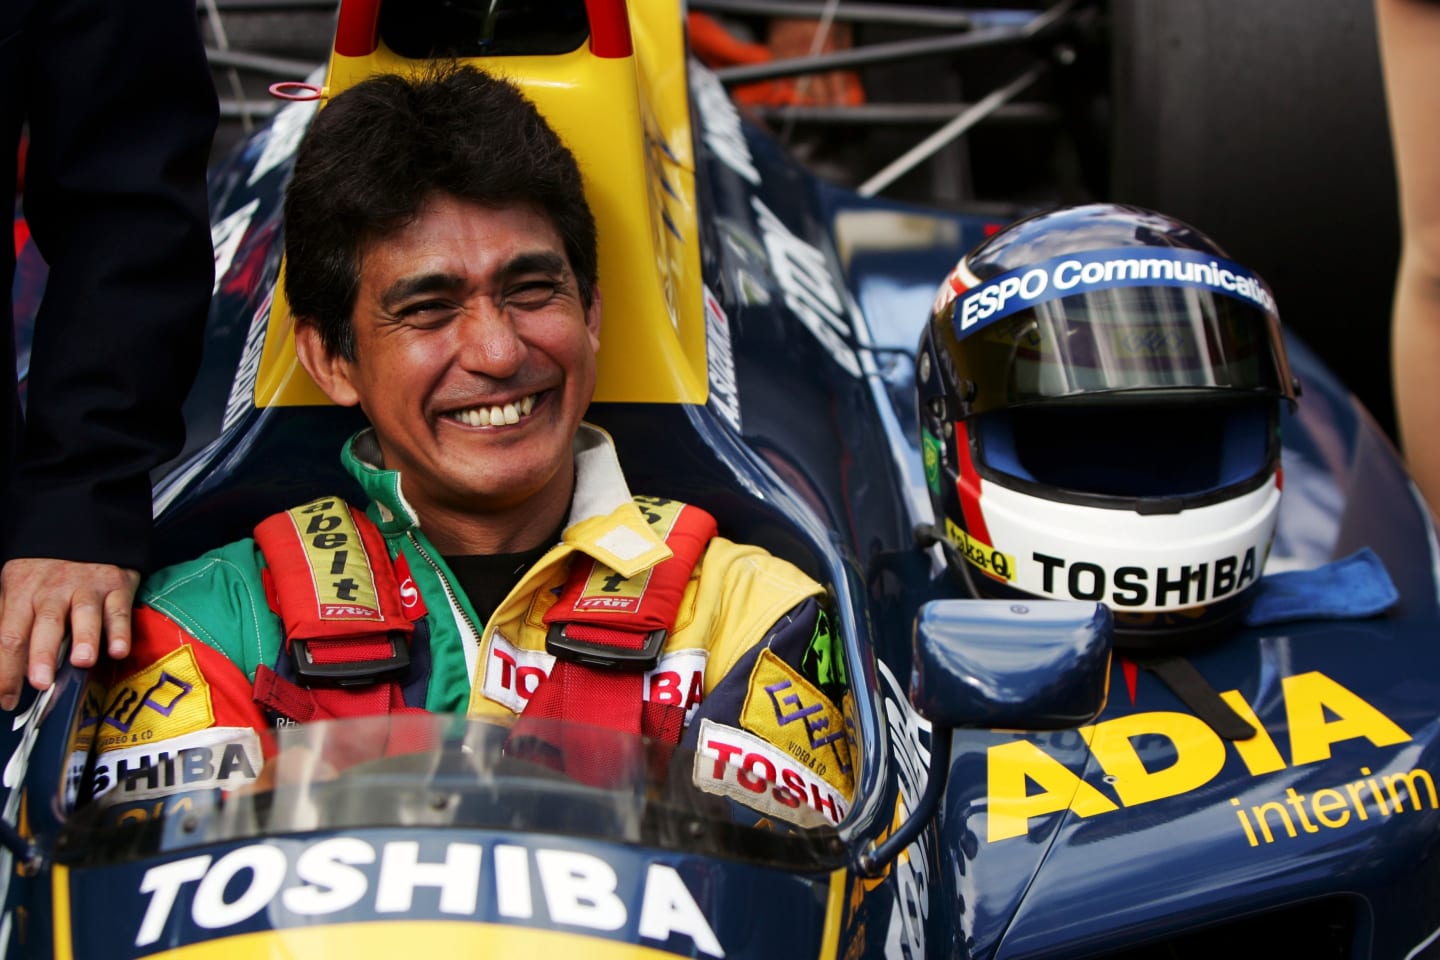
[[1098, 391], [1081, 229]]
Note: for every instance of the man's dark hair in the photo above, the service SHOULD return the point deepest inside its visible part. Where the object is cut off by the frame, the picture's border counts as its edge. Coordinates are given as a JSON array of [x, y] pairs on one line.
[[379, 150]]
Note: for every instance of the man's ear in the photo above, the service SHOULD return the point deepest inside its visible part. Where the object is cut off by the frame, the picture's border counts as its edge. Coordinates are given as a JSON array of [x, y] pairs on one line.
[[592, 319], [332, 373]]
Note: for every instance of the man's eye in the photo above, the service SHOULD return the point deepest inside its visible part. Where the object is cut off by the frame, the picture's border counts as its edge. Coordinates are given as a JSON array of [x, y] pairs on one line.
[[532, 293], [426, 311]]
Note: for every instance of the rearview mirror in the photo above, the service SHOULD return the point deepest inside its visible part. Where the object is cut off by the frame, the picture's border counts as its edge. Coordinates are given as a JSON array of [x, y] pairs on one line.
[[1015, 665]]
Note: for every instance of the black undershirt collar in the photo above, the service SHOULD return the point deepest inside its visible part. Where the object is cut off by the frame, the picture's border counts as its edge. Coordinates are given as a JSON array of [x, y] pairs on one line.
[[487, 578]]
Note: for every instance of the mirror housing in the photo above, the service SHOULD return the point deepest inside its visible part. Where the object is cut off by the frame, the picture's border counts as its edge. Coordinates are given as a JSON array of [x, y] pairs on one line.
[[1014, 665]]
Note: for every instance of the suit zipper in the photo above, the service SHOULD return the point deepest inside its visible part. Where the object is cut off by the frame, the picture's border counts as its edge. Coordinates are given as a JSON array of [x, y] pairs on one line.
[[445, 584]]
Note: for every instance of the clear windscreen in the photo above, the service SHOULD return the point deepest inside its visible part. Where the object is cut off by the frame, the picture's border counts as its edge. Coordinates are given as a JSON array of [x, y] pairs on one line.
[[438, 771], [1116, 340]]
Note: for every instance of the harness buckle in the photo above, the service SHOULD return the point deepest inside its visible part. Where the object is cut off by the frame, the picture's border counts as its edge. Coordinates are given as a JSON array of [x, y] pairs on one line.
[[351, 673], [603, 656]]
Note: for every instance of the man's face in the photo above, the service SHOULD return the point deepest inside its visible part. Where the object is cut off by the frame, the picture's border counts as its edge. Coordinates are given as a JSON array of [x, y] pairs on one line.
[[474, 359]]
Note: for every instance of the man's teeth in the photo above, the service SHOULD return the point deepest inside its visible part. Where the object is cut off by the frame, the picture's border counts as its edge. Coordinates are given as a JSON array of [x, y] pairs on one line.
[[498, 415]]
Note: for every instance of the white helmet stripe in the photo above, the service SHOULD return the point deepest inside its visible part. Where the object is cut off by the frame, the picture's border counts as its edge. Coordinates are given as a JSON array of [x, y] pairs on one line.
[[1131, 561]]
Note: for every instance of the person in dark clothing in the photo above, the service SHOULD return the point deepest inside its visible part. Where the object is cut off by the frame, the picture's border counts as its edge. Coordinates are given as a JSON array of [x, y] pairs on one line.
[[120, 110]]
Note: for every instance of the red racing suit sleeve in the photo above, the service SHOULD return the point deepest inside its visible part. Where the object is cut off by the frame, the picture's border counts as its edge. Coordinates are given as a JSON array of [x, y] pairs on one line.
[[176, 717]]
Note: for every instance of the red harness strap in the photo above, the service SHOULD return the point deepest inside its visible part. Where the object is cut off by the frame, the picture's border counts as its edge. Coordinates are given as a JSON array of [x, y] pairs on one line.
[[606, 632], [342, 600]]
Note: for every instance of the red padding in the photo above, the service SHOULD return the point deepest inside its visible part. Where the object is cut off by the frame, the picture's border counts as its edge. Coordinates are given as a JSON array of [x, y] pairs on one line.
[[290, 584], [356, 33], [609, 28], [657, 607]]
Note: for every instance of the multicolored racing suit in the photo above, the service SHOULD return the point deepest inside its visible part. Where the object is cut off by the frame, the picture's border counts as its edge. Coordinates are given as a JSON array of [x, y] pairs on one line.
[[747, 659]]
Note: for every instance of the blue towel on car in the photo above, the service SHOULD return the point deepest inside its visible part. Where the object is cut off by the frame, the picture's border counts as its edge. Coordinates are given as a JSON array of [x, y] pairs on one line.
[[1350, 589]]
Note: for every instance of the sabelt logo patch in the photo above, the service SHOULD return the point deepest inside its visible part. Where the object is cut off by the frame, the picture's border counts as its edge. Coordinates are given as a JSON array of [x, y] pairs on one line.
[[339, 565], [607, 591], [786, 710], [733, 763], [168, 699]]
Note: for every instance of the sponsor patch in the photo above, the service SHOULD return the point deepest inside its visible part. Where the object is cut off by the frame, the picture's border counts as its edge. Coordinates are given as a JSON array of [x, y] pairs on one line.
[[930, 445], [786, 710], [339, 564], [989, 561], [607, 591], [825, 660], [678, 680], [168, 699], [410, 600], [223, 757], [739, 765], [513, 674], [1022, 289], [659, 512], [1138, 586]]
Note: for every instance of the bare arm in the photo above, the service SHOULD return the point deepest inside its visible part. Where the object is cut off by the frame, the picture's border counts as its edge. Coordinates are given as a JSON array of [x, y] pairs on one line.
[[1410, 52]]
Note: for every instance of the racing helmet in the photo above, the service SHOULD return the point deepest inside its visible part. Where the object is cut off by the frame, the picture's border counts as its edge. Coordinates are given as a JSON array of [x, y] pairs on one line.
[[1098, 394]]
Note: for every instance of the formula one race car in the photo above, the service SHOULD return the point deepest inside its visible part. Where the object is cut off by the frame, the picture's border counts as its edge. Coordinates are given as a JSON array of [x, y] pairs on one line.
[[1265, 783]]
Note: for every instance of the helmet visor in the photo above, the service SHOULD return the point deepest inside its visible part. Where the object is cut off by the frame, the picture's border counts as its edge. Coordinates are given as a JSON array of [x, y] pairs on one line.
[[1109, 322]]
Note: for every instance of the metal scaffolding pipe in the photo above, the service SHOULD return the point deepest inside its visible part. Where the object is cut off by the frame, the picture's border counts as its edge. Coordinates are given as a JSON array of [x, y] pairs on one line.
[[272, 6], [900, 16], [923, 150], [898, 114], [232, 109], [893, 52], [260, 62]]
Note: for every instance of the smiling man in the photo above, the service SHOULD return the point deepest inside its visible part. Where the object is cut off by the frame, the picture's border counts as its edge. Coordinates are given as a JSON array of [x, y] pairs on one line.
[[442, 270], [474, 358]]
